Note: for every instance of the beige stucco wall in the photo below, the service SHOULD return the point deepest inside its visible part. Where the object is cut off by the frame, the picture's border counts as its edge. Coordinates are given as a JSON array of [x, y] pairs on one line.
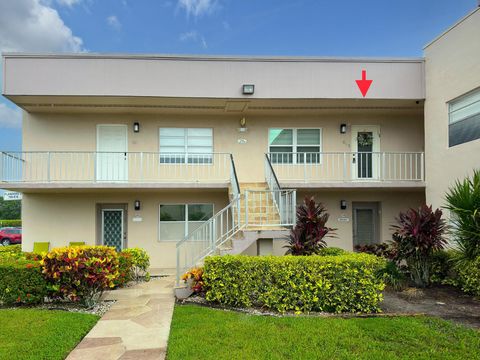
[[391, 203], [400, 130], [63, 217], [452, 69], [214, 77], [60, 218]]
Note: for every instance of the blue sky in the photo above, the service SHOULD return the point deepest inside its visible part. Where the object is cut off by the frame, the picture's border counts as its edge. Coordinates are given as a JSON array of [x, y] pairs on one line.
[[385, 28]]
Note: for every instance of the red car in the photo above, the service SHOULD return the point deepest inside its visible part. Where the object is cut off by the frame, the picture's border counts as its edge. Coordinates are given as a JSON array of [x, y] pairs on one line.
[[10, 235]]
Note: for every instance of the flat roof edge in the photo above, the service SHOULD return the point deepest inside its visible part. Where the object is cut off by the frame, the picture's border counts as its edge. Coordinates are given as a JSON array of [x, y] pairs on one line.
[[210, 57], [452, 27]]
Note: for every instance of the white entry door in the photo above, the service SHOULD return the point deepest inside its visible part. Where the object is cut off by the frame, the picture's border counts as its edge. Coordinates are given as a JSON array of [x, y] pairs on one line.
[[112, 165], [365, 152]]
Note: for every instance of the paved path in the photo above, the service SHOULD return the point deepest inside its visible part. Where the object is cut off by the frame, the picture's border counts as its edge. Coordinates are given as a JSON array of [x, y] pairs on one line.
[[135, 327]]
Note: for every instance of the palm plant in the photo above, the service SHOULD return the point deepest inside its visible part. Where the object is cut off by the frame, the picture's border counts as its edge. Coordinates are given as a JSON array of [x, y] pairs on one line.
[[463, 201], [307, 237], [418, 234]]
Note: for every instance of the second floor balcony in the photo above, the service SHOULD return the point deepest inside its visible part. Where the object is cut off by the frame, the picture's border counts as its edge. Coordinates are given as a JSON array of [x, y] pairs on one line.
[[84, 169], [114, 169], [349, 169]]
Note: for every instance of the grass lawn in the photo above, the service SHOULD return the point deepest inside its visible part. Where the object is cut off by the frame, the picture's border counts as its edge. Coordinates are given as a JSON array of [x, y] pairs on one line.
[[41, 334], [203, 333]]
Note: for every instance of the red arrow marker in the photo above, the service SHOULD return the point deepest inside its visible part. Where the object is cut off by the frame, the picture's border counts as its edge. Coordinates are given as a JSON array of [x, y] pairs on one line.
[[364, 84]]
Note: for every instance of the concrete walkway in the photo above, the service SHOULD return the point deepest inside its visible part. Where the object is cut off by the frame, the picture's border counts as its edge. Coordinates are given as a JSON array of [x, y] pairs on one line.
[[135, 327]]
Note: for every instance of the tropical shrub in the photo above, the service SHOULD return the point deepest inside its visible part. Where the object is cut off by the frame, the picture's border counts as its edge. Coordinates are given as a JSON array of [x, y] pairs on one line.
[[417, 236], [382, 249], [125, 269], [442, 269], [80, 273], [463, 201], [345, 283], [469, 276], [140, 262], [194, 278], [332, 251], [393, 275], [21, 282], [307, 237], [11, 251]]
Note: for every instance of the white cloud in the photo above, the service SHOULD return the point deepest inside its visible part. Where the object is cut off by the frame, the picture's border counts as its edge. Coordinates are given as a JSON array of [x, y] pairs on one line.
[[197, 7], [32, 25], [114, 23], [9, 117], [194, 36], [68, 2]]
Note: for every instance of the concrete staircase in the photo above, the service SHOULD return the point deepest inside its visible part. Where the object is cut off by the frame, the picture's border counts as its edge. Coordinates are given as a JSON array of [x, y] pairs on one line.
[[263, 218]]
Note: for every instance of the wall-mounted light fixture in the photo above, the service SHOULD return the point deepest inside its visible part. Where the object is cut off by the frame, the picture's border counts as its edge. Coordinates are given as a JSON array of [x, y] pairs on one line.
[[248, 89], [136, 127], [343, 204], [137, 205], [243, 125], [343, 128]]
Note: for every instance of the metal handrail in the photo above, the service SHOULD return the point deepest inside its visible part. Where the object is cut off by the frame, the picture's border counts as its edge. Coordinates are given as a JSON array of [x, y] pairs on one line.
[[348, 165]]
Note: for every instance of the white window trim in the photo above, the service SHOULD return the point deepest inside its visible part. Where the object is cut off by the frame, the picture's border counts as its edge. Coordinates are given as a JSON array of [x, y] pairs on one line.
[[186, 218], [294, 143]]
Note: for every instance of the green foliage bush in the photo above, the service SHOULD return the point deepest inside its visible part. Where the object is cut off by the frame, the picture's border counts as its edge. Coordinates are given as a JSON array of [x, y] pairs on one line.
[[10, 209], [125, 266], [21, 282], [80, 273], [345, 283], [443, 267], [10, 250], [332, 251], [140, 262], [469, 276], [11, 223]]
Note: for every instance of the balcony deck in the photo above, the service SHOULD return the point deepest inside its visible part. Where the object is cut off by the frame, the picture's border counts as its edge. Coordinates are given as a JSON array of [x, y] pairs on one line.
[[355, 170], [23, 171]]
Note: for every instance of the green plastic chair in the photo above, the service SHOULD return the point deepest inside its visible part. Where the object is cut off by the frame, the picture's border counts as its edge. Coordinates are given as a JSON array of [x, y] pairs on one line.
[[41, 247], [76, 243]]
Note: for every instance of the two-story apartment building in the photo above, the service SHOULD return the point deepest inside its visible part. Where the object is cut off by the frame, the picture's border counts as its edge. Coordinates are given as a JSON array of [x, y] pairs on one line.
[[188, 155]]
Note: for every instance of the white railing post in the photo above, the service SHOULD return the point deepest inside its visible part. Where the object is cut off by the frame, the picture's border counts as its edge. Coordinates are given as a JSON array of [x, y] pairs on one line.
[[246, 207], [383, 166], [304, 167], [48, 167], [422, 169]]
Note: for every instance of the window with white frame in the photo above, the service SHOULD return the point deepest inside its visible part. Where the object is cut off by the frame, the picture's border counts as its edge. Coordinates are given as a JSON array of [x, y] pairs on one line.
[[293, 146], [178, 220], [464, 118], [182, 145]]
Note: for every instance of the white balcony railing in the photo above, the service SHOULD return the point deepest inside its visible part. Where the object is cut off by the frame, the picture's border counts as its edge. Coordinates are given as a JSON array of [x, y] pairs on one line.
[[348, 166], [113, 167]]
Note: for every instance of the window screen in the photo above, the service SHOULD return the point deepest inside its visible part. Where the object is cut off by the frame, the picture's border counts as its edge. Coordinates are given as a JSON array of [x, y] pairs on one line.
[[464, 119]]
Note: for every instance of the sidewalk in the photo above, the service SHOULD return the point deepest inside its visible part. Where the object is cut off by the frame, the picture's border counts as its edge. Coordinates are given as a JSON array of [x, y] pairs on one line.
[[135, 327]]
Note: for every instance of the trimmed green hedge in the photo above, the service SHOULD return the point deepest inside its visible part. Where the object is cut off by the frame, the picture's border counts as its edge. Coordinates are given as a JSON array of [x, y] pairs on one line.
[[10, 250], [332, 251], [11, 223], [345, 283], [21, 281]]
